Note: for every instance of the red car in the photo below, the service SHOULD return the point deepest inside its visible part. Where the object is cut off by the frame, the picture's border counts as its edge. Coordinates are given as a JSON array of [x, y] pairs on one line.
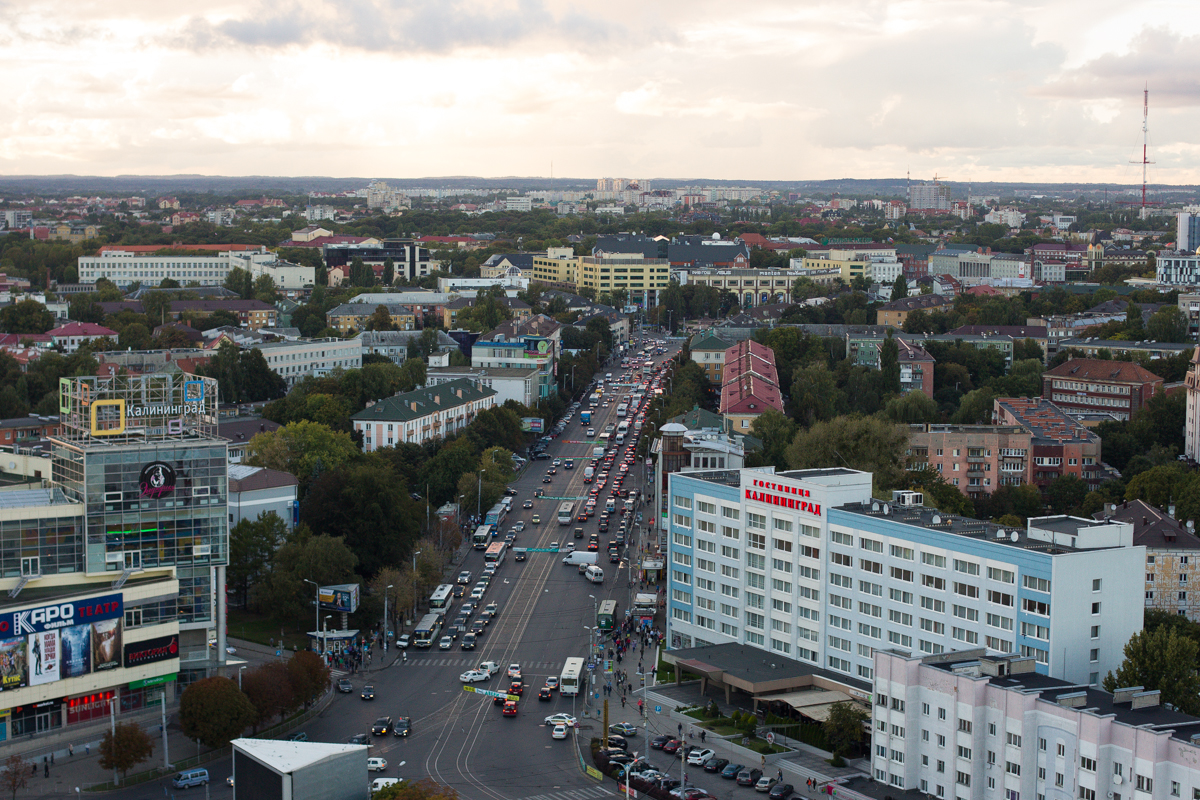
[[510, 708], [517, 688], [593, 546], [672, 746]]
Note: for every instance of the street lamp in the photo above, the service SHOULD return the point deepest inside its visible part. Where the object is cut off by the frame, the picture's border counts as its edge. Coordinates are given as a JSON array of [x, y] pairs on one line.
[[316, 606], [240, 669], [325, 635], [385, 617], [417, 553]]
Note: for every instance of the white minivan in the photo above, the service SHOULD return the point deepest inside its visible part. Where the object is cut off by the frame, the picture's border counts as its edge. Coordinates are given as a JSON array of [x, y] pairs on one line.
[[594, 574]]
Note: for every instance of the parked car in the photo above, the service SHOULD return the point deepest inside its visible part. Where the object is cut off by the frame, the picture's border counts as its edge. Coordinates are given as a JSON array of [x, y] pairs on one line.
[[623, 728], [376, 764], [749, 777], [765, 783], [781, 791], [715, 764], [658, 741], [698, 757], [731, 771]]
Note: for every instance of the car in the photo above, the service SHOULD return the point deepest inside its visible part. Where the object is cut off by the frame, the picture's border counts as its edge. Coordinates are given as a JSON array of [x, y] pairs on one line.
[[696, 758], [376, 764], [520, 526], [616, 756], [519, 554], [614, 557], [559, 732], [514, 671], [618, 741], [570, 548], [459, 591], [446, 643], [466, 610], [590, 432], [537, 518], [715, 764], [658, 741], [561, 719], [474, 675], [687, 792], [731, 771], [368, 692], [593, 546], [569, 465], [381, 726], [781, 791], [517, 688], [545, 693], [672, 746], [623, 728], [403, 726], [345, 685], [468, 641], [558, 462], [552, 682], [552, 471], [478, 627], [510, 708], [360, 738], [455, 631], [298, 736], [477, 593], [527, 504], [404, 640], [765, 783], [464, 577], [491, 610], [490, 569]]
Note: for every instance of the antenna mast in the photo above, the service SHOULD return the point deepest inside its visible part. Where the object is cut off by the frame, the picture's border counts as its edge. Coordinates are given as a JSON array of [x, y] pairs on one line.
[[1145, 136]]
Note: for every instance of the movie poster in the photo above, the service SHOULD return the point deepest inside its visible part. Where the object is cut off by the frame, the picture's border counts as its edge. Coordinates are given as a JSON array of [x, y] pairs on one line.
[[106, 645], [76, 657], [13, 666], [43, 657]]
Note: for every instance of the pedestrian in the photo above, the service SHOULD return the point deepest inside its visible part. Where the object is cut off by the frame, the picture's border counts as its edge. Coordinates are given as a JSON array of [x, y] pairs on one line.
[[622, 701], [679, 727], [779, 777], [88, 748], [702, 734], [46, 764], [70, 749], [764, 761]]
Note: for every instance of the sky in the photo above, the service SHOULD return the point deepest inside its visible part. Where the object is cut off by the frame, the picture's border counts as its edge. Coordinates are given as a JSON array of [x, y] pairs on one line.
[[969, 90]]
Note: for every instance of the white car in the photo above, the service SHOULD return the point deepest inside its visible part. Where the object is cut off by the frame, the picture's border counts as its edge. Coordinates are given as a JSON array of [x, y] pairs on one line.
[[514, 671], [477, 593], [552, 682], [591, 431], [376, 764], [561, 719], [698, 757], [446, 643], [474, 676], [559, 732]]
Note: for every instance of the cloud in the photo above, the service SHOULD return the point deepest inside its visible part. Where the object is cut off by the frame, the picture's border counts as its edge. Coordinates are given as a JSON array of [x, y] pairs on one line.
[[1166, 62]]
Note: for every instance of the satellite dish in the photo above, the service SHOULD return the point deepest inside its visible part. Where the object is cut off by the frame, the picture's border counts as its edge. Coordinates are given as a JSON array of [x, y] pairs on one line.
[[1013, 536], [716, 236]]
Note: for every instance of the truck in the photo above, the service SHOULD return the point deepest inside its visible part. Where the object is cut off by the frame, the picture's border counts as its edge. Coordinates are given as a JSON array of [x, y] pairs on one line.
[[585, 417], [597, 452], [578, 557]]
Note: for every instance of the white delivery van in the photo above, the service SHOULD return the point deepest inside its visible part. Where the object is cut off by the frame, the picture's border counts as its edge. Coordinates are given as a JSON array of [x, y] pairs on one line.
[[610, 505], [379, 784], [580, 557], [594, 574]]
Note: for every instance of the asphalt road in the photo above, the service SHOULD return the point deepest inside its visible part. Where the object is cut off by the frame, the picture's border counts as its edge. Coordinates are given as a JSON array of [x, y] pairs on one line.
[[461, 739]]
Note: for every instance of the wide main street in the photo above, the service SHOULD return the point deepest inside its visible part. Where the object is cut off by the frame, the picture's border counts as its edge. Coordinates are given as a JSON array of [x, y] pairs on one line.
[[460, 739]]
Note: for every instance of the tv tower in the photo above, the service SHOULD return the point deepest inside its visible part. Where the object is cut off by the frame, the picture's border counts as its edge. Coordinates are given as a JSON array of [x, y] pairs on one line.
[[1145, 152]]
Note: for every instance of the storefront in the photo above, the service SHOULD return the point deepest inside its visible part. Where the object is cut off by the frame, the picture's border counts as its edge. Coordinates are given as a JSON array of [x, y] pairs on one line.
[[88, 707], [40, 717], [146, 694]]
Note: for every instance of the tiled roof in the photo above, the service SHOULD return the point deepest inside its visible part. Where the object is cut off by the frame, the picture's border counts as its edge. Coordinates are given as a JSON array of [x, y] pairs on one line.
[[917, 301], [712, 343], [1015, 331], [1152, 528], [144, 249], [749, 357], [423, 402], [750, 394], [1097, 369], [81, 329], [243, 430]]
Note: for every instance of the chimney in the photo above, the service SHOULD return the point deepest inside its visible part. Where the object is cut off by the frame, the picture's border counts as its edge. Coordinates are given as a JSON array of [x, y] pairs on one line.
[[1126, 694], [437, 399], [1146, 700], [1072, 700], [413, 405]]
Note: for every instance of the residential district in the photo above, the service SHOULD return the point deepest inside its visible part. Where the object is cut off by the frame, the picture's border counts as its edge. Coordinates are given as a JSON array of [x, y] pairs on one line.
[[705, 489]]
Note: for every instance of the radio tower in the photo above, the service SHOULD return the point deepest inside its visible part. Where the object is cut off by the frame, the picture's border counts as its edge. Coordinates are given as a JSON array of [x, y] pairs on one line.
[[1145, 135]]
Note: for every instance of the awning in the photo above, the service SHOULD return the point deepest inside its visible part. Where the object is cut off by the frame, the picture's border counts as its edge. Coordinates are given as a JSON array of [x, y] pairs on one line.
[[812, 704]]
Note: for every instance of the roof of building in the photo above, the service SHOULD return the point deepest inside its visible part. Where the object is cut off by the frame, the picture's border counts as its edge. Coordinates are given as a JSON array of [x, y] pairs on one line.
[[287, 757], [81, 329], [934, 520], [395, 338], [1046, 422], [244, 429], [908, 351], [25, 498], [149, 249], [749, 357], [698, 418], [751, 667], [221, 305], [750, 394], [518, 260], [1015, 331], [1096, 369], [701, 254], [243, 478], [1151, 527], [536, 325], [485, 372], [28, 422], [917, 301], [422, 402]]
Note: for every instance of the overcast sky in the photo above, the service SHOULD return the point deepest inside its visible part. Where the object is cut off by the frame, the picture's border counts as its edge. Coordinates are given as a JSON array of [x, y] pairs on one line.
[[797, 89]]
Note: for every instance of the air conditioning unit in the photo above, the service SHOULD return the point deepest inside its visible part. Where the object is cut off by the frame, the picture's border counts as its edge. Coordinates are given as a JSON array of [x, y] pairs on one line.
[[909, 499]]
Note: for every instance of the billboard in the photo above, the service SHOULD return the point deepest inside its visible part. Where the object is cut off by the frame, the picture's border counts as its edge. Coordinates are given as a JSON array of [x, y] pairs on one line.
[[343, 597], [43, 655], [150, 651], [106, 645], [533, 424], [61, 615], [536, 347], [44, 644], [13, 663]]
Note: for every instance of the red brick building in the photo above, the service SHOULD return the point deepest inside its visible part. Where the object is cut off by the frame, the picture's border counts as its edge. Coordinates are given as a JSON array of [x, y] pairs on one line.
[[1090, 384]]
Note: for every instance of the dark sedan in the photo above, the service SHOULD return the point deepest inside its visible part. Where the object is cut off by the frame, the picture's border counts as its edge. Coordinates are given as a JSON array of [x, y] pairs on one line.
[[403, 726], [781, 791], [368, 692], [715, 764], [658, 741], [731, 770]]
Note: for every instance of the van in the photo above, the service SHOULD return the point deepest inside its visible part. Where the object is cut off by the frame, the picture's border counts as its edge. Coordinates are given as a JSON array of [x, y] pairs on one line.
[[198, 776], [379, 784], [594, 574]]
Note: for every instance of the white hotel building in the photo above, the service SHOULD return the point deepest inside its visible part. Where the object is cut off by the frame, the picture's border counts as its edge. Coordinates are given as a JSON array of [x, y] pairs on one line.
[[805, 563], [967, 725]]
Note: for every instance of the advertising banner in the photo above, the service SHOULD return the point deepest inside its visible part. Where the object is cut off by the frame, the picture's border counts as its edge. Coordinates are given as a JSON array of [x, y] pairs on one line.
[[76, 651], [537, 348], [44, 653], [343, 597], [532, 424], [13, 664], [149, 651], [106, 645], [61, 615]]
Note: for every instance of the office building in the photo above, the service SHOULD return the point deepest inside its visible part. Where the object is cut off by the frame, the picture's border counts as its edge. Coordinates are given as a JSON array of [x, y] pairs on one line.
[[642, 279], [807, 564], [1187, 232], [409, 259], [1120, 388], [149, 264], [293, 360], [1177, 269], [422, 415]]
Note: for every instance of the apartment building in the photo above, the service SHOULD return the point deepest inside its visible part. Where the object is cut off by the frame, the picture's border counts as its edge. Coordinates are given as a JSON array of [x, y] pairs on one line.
[[1177, 269], [252, 314], [1191, 423], [206, 264], [1088, 384], [1058, 443], [750, 385], [409, 259], [709, 353], [509, 383], [916, 367], [972, 724], [1172, 555], [355, 316], [807, 564], [896, 312], [973, 458], [422, 415], [296, 359], [73, 335], [523, 344]]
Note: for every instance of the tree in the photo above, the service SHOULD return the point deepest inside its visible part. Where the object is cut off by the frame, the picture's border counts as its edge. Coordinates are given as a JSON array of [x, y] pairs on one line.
[[900, 287], [1066, 492], [308, 675], [240, 281], [775, 431], [252, 543], [323, 559], [389, 272], [911, 407], [13, 776], [125, 747], [844, 727], [889, 366], [415, 790], [26, 316], [215, 711], [865, 443], [381, 320], [134, 337], [814, 394], [269, 689], [264, 289], [1168, 325], [305, 449], [1162, 659]]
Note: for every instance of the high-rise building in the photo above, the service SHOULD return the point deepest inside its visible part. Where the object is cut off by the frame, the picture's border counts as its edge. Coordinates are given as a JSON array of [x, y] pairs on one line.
[[929, 197], [1187, 231]]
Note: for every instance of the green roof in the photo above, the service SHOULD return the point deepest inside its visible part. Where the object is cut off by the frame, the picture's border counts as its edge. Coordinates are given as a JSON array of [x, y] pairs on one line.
[[699, 419], [711, 342], [423, 402]]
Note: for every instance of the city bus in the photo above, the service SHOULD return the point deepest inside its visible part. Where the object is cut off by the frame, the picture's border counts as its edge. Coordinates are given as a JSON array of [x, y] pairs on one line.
[[606, 617], [570, 680], [566, 511], [441, 598], [495, 516], [622, 408], [495, 553], [427, 630], [481, 537]]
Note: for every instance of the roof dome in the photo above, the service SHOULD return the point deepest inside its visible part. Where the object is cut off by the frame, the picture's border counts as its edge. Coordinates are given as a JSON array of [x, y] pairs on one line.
[[673, 427]]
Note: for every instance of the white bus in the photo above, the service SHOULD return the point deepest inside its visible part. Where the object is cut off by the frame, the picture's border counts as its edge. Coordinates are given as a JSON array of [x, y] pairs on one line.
[[481, 537], [566, 512], [495, 553], [622, 408], [427, 630], [441, 598], [570, 680]]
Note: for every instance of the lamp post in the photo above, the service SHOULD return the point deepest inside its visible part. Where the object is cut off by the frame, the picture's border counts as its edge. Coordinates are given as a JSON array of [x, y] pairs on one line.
[[325, 634], [316, 606], [386, 592], [417, 553], [240, 670]]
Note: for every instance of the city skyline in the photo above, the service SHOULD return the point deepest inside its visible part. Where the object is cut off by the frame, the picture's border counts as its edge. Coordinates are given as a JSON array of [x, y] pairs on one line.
[[967, 89]]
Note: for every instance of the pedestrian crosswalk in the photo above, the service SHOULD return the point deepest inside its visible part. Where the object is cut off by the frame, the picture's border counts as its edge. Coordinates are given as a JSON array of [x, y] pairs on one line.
[[526, 666], [588, 793]]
